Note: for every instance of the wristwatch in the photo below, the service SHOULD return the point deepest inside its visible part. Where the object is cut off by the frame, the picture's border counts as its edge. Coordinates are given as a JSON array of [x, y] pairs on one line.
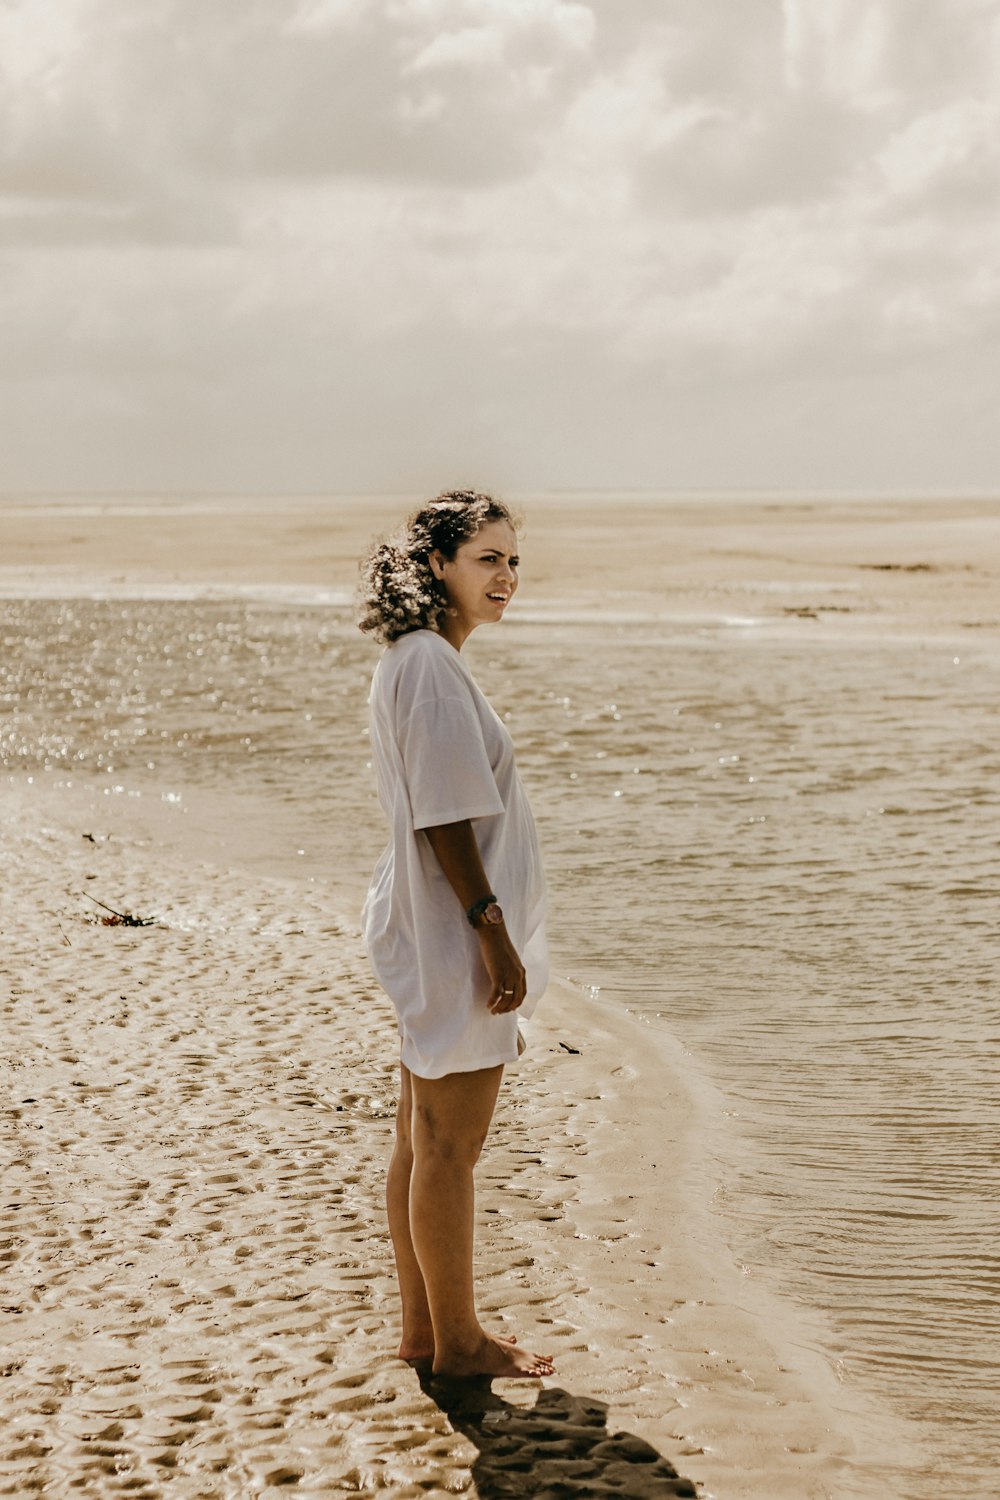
[[485, 912]]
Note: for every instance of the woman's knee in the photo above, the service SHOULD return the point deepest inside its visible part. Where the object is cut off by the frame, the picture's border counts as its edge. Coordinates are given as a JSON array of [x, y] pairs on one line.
[[451, 1115], [438, 1135]]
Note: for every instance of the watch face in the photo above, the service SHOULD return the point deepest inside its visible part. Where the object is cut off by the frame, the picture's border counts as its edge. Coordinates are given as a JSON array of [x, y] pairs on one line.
[[492, 915]]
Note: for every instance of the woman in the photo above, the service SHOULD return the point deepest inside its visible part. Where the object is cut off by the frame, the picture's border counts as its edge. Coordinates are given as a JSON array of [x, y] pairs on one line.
[[454, 918]]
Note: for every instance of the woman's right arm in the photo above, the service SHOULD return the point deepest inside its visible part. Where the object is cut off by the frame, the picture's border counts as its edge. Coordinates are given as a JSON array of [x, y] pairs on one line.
[[457, 852]]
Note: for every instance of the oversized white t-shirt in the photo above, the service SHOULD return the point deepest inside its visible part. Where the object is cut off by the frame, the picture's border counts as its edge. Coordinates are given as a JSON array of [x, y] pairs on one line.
[[441, 754]]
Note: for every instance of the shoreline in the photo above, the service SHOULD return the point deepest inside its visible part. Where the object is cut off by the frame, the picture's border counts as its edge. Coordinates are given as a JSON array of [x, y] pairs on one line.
[[627, 1278], [736, 1372], [798, 564]]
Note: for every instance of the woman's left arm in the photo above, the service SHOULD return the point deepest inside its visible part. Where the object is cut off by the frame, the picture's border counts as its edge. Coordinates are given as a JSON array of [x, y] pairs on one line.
[[457, 852]]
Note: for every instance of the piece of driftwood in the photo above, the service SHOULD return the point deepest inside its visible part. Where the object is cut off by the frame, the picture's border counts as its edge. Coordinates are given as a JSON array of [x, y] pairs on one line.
[[119, 918]]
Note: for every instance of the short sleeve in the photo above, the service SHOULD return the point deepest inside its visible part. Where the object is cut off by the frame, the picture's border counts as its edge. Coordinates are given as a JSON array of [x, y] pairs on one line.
[[448, 771]]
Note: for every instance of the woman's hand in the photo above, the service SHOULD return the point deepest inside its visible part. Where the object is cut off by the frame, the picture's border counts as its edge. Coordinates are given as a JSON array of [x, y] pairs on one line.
[[508, 985], [456, 850]]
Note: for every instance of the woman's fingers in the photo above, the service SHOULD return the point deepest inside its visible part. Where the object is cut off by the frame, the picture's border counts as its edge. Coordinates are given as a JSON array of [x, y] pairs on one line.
[[508, 980], [509, 995]]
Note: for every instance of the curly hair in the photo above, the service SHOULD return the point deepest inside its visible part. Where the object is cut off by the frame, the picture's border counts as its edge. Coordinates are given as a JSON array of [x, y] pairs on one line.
[[398, 592]]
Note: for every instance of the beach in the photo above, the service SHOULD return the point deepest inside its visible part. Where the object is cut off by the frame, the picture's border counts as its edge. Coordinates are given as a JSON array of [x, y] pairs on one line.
[[198, 1291]]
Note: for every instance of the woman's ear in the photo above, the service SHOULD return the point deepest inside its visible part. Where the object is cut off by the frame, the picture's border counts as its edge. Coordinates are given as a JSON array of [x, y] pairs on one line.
[[437, 561]]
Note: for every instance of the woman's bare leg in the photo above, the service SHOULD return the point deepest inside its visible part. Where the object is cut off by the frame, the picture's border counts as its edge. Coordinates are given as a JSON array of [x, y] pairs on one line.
[[417, 1341], [418, 1332], [451, 1117]]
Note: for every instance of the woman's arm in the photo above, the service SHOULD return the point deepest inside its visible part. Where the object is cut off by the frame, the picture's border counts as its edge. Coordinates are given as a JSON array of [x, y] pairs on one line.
[[456, 850]]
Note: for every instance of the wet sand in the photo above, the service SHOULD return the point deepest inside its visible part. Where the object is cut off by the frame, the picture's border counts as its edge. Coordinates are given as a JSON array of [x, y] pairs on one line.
[[198, 1293], [198, 1288]]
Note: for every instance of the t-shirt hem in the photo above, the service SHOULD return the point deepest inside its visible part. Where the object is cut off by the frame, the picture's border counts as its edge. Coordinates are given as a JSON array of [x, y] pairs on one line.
[[434, 1070]]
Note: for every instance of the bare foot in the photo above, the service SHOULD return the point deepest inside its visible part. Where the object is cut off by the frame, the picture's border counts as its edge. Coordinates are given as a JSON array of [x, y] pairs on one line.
[[495, 1357], [415, 1356], [420, 1351]]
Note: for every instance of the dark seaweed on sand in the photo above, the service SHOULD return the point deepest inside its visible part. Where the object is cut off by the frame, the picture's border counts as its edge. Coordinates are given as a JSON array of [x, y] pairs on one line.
[[120, 918]]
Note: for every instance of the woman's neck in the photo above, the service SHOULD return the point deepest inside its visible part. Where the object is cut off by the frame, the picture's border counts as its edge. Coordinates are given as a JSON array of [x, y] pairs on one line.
[[454, 631]]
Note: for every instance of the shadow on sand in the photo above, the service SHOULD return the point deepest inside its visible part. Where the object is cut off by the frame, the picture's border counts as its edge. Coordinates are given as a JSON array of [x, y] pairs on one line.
[[560, 1447]]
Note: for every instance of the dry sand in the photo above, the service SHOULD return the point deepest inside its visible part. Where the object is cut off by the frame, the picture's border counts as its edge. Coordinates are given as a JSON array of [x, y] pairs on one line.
[[198, 1295]]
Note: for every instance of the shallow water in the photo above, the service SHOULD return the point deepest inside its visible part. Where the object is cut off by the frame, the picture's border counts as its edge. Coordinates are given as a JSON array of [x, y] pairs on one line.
[[781, 842]]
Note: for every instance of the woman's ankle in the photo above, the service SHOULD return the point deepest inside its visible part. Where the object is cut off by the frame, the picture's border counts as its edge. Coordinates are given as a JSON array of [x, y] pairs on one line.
[[460, 1343]]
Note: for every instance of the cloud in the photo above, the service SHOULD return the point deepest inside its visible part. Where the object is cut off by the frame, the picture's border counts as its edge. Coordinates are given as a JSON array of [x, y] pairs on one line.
[[726, 161], [142, 122], [949, 157], [877, 55], [839, 49], [458, 91], [90, 148], [296, 236]]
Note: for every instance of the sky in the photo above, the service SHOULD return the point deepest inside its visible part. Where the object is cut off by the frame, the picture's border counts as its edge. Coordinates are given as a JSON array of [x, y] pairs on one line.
[[397, 245]]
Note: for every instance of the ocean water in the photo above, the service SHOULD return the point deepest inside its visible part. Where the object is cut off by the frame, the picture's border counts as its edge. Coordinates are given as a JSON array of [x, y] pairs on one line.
[[780, 842]]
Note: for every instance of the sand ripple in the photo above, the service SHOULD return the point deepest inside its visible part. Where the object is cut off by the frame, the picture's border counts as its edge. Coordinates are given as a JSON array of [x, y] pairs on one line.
[[198, 1293]]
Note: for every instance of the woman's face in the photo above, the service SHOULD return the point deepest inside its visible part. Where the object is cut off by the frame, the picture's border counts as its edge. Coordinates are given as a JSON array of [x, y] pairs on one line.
[[480, 579]]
